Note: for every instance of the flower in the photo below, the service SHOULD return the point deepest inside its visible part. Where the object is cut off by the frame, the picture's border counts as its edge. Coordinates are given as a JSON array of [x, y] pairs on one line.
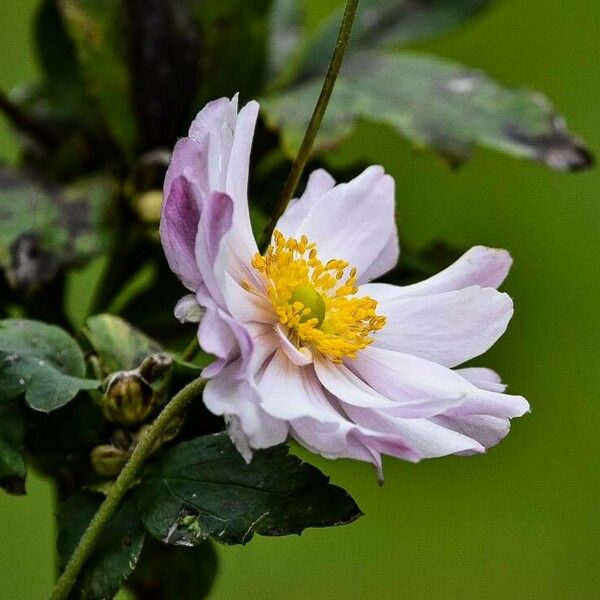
[[305, 346]]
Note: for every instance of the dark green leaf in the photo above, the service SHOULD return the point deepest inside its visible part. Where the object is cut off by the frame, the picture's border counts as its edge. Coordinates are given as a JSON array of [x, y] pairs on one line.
[[42, 361], [233, 39], [378, 23], [12, 432], [119, 345], [435, 104], [64, 438], [97, 29], [204, 488], [164, 59], [115, 554], [44, 229], [174, 573]]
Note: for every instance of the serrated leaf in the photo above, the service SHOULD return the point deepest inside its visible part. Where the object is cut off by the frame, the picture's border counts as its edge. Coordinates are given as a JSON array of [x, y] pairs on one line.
[[96, 28], [44, 228], [168, 572], [12, 433], [42, 361], [119, 345], [435, 104], [204, 488], [378, 23], [116, 553]]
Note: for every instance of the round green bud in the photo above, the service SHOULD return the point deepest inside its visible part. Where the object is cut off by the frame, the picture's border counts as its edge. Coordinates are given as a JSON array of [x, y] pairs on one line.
[[311, 299], [108, 460], [128, 399]]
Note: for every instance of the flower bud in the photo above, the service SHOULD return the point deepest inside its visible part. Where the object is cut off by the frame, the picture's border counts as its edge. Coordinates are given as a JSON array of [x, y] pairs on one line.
[[148, 206], [127, 399], [155, 366], [108, 460]]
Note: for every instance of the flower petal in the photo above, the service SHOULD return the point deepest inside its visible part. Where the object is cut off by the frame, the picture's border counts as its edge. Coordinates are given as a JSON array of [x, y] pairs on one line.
[[353, 221], [227, 395], [418, 378], [449, 328], [178, 231], [479, 266], [318, 184], [488, 431], [483, 378]]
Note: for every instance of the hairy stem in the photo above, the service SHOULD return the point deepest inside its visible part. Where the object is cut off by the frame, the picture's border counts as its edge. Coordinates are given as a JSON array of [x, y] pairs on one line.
[[121, 485], [191, 350], [315, 121]]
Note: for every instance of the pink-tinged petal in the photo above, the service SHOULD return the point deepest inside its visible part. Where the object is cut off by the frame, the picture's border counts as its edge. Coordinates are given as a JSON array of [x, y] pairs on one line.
[[211, 118], [244, 305], [449, 328], [386, 261], [483, 378], [299, 357], [190, 160], [342, 383], [488, 431], [221, 335], [479, 266], [237, 399], [187, 310], [425, 438], [178, 231], [417, 378], [290, 392], [354, 221], [318, 184]]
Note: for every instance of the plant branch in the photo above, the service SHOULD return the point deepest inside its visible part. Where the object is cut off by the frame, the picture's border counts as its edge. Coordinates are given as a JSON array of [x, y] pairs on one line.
[[191, 350], [121, 485], [315, 121]]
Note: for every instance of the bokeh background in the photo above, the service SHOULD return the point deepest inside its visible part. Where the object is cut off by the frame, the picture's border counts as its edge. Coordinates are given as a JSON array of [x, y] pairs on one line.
[[522, 521]]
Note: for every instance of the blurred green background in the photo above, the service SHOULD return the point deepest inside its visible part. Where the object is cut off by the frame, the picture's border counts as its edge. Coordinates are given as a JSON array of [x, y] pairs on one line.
[[522, 521]]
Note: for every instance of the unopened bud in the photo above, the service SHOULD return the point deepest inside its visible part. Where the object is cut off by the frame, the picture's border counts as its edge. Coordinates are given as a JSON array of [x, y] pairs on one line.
[[148, 206], [155, 366], [108, 460], [128, 399]]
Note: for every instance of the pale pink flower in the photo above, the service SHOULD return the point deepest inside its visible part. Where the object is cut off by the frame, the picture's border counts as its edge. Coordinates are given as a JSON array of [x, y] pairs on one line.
[[305, 346]]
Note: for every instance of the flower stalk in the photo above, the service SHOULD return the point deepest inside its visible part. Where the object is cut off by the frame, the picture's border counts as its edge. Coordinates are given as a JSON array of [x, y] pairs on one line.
[[315, 121], [122, 484]]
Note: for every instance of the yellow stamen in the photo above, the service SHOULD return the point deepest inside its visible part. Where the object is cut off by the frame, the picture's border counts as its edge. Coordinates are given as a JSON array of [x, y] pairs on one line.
[[312, 300]]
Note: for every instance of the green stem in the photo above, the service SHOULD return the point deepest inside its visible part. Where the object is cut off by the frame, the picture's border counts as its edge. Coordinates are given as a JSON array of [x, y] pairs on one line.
[[191, 350], [315, 121], [121, 485]]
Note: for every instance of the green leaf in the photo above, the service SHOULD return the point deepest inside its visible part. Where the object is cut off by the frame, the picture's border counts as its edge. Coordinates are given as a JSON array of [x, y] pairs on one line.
[[435, 104], [116, 553], [45, 229], [119, 345], [233, 40], [169, 573], [41, 360], [382, 23], [64, 438], [12, 433], [204, 488], [96, 28]]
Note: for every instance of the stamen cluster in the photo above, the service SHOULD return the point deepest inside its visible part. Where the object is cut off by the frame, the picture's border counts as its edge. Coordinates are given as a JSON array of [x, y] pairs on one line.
[[292, 264]]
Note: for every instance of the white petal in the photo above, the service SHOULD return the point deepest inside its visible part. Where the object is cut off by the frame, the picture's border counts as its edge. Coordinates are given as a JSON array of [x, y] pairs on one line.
[[345, 385], [355, 221], [448, 328], [419, 378], [483, 378], [479, 266], [225, 394], [300, 357], [319, 183]]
